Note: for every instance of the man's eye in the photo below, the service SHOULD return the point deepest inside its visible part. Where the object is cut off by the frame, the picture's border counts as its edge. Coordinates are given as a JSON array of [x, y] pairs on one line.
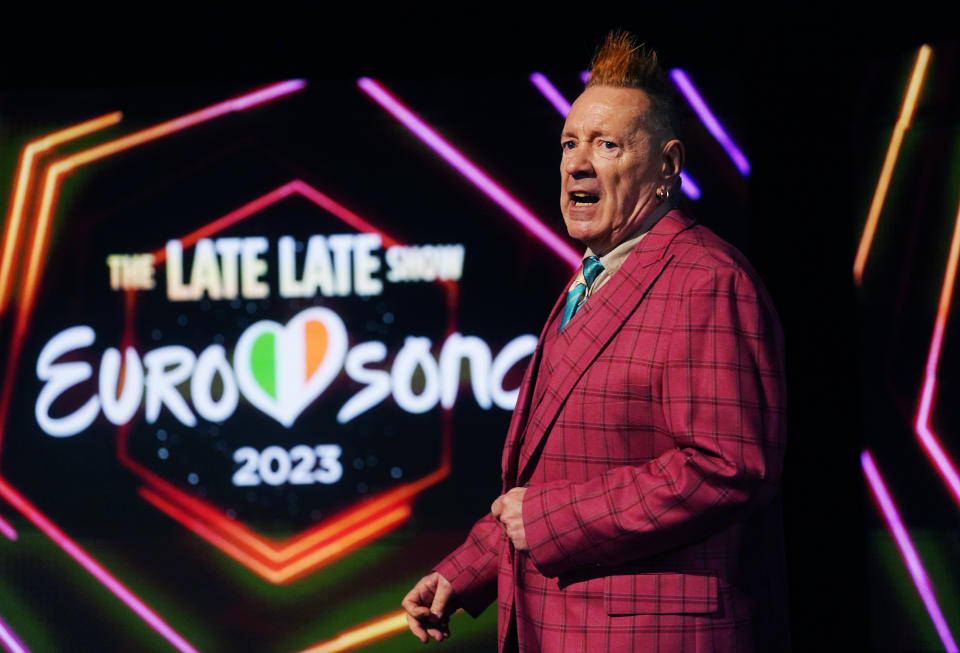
[[568, 145], [608, 145]]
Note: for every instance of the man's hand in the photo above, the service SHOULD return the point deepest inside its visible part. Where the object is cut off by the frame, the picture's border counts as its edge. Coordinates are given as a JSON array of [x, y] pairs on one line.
[[508, 509], [429, 606]]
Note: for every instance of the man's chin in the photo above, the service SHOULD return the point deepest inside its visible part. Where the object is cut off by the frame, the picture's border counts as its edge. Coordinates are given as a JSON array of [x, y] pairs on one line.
[[579, 235], [581, 230], [596, 245]]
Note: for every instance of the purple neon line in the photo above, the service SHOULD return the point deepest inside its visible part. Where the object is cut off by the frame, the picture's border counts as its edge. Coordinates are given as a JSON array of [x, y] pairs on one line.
[[907, 550], [709, 120], [465, 167], [10, 640], [549, 91], [688, 186], [267, 94], [7, 529]]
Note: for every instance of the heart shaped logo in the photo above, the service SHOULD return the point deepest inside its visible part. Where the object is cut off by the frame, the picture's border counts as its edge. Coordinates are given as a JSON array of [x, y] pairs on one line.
[[282, 369]]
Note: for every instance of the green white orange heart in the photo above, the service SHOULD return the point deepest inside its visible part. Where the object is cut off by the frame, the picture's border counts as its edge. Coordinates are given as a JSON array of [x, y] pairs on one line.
[[282, 369]]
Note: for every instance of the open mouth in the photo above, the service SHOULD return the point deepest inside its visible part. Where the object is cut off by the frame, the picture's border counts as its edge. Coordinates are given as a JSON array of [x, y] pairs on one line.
[[580, 198]]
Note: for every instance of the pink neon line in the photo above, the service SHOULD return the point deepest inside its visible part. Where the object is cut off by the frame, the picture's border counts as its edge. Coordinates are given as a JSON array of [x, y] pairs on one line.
[[274, 196], [922, 426], [709, 120], [83, 558], [465, 167], [240, 103], [549, 91], [907, 550], [340, 211], [585, 76], [7, 529], [268, 93], [236, 215], [10, 640]]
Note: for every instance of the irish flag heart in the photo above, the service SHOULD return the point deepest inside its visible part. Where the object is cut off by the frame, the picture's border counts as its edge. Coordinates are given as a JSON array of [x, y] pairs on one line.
[[282, 369]]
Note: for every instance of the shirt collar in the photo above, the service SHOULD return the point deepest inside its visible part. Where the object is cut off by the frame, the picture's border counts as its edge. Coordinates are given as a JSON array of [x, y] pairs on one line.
[[613, 259]]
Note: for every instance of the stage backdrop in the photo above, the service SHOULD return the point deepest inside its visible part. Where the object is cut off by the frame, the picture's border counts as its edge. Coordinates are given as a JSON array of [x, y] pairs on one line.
[[261, 344]]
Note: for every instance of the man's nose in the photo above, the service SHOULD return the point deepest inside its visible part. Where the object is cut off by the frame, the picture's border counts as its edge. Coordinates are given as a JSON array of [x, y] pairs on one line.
[[577, 162]]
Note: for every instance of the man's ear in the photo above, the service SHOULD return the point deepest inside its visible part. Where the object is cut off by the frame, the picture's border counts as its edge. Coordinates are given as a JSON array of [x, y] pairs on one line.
[[671, 162]]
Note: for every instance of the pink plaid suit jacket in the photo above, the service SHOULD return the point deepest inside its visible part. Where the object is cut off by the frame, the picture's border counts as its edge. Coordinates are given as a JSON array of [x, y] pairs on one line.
[[650, 435]]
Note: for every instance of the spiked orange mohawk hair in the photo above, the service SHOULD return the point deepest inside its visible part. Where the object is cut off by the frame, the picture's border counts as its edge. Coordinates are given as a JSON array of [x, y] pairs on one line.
[[625, 62]]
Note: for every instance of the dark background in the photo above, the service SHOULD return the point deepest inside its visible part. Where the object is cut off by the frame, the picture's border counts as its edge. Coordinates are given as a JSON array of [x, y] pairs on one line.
[[810, 98]]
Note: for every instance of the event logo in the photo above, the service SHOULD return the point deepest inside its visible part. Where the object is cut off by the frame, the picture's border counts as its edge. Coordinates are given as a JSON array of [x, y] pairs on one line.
[[282, 369]]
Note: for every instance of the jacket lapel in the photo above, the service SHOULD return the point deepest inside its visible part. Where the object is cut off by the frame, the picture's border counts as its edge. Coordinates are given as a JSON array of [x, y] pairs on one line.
[[591, 329]]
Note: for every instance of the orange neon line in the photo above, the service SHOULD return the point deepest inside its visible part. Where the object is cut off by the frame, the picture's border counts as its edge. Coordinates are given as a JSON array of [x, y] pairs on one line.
[[199, 527], [350, 541], [243, 535], [950, 279], [30, 153], [379, 628], [890, 161], [63, 166], [335, 549]]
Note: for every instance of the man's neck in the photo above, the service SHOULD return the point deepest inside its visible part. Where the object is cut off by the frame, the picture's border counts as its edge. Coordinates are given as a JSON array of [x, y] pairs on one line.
[[645, 225]]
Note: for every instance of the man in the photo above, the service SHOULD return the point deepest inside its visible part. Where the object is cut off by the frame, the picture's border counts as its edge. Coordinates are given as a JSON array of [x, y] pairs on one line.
[[643, 458]]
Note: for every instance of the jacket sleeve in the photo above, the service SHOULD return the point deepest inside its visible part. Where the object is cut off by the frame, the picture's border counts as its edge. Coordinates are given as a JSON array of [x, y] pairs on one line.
[[723, 403], [472, 567]]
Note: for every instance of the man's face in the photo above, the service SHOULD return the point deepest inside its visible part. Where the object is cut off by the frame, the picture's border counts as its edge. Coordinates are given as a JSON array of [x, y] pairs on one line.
[[610, 167]]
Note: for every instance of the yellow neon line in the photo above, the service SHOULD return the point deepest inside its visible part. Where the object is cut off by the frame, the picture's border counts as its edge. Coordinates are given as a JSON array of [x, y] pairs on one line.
[[51, 181], [30, 153], [394, 622], [890, 161]]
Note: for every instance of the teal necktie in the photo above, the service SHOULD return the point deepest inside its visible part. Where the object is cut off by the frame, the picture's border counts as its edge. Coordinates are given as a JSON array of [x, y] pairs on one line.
[[592, 267]]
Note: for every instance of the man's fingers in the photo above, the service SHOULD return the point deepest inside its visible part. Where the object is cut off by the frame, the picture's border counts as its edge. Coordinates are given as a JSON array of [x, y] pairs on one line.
[[440, 632], [497, 506], [417, 611], [413, 603], [440, 599], [416, 629]]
